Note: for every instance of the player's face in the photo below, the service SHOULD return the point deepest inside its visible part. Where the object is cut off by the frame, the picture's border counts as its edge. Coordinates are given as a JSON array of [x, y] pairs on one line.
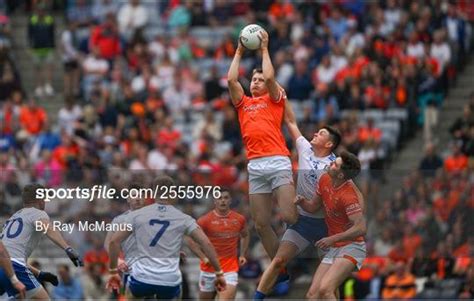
[[335, 168], [257, 85], [136, 203], [42, 204], [321, 139], [223, 203]]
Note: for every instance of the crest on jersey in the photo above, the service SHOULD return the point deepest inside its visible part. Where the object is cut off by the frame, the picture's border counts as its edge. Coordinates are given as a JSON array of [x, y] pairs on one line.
[[162, 208]]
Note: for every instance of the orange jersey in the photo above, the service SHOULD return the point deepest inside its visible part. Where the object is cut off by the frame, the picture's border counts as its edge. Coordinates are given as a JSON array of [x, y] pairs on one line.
[[339, 203], [260, 121], [224, 234]]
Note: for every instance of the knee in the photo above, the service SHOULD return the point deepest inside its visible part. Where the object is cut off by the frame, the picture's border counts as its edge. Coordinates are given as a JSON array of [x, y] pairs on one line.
[[279, 262], [290, 218], [261, 226], [325, 291], [310, 295]]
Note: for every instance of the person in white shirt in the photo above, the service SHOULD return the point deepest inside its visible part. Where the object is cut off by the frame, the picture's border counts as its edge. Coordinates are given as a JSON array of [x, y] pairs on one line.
[[440, 50], [131, 16], [94, 68], [415, 48]]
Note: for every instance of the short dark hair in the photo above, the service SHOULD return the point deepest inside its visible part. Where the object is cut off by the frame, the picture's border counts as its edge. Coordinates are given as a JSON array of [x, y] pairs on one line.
[[29, 193], [257, 70], [163, 180], [334, 136], [350, 165]]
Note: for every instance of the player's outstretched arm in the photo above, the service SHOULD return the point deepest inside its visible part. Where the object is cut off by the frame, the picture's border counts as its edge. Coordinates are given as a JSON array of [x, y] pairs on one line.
[[358, 228], [114, 282], [309, 205], [290, 121], [44, 276], [56, 237], [6, 265], [235, 88], [267, 68]]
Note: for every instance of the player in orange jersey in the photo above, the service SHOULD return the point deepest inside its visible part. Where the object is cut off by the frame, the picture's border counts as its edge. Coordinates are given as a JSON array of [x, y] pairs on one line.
[[343, 205], [225, 229], [269, 166]]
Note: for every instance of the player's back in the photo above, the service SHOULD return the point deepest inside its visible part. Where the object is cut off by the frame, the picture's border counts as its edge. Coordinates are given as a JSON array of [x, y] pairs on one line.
[[19, 234], [158, 231]]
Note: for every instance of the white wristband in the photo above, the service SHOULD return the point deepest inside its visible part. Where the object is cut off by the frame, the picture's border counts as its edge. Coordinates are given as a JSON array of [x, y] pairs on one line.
[[14, 279]]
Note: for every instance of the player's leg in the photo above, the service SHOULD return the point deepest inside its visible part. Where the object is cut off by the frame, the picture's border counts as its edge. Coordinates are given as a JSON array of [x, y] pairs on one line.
[[228, 294], [261, 211], [37, 294], [314, 289], [334, 277], [207, 290], [281, 181], [285, 253], [285, 195]]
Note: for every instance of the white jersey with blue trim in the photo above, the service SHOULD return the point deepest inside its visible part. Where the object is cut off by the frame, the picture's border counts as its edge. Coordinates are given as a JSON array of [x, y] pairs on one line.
[[310, 169], [20, 235], [158, 231]]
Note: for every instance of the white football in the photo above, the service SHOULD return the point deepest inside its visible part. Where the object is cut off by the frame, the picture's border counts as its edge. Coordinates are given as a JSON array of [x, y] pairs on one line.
[[249, 36]]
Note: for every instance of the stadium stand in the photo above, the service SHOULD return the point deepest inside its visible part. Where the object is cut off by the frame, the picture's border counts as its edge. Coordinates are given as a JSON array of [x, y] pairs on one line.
[[140, 88]]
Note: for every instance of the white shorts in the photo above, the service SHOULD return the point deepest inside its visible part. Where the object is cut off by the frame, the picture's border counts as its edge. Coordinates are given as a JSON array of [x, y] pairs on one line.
[[355, 252], [206, 280], [268, 173]]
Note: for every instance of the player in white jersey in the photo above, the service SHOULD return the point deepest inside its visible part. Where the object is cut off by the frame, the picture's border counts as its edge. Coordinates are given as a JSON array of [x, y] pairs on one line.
[[128, 246], [21, 235], [159, 230], [314, 158]]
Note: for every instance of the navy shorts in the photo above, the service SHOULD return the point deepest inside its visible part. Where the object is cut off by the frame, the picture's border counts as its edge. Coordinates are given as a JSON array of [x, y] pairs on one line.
[[23, 274], [306, 231], [140, 289]]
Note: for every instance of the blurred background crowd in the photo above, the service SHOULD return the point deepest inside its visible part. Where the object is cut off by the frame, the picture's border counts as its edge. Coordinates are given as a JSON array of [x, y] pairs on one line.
[[144, 91]]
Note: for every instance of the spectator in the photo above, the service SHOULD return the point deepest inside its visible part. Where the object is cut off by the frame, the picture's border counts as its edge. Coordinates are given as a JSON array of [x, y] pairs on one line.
[[131, 17], [48, 171], [71, 57], [69, 287], [369, 132], [95, 68], [103, 8], [400, 285], [32, 118], [41, 41], [68, 116], [457, 161], [93, 283], [299, 85], [431, 162], [105, 37]]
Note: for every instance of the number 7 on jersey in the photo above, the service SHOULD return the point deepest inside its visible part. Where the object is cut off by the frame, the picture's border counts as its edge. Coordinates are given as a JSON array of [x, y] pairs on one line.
[[164, 225]]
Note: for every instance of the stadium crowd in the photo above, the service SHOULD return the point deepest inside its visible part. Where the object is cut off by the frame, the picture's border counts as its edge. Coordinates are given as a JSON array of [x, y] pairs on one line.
[[145, 91]]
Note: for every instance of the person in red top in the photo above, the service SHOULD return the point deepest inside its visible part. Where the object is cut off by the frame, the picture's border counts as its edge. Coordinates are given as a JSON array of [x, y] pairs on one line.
[[225, 229], [269, 166], [32, 118], [344, 213]]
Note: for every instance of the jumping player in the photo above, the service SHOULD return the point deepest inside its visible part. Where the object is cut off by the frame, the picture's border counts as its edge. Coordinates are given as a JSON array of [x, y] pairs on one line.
[[314, 158], [225, 228], [343, 205], [269, 166], [20, 237], [158, 231]]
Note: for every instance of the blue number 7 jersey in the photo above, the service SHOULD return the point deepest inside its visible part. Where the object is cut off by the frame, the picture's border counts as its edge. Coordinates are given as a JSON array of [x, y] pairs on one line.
[[158, 231]]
